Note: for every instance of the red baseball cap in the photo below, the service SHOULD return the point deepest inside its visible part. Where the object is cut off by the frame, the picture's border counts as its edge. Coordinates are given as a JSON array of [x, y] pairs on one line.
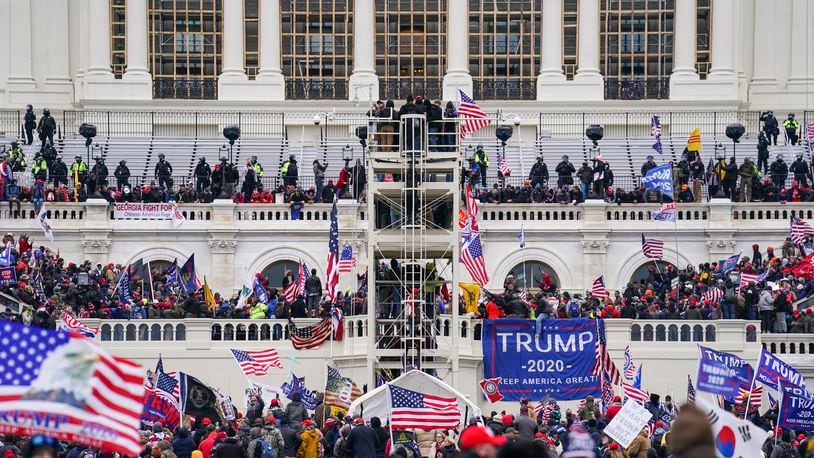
[[206, 421], [478, 435]]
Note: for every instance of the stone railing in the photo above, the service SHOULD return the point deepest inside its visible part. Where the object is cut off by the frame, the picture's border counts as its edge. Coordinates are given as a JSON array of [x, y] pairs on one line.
[[789, 344]]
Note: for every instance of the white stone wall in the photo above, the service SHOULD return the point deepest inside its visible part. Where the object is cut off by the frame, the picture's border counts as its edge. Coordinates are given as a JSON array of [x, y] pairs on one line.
[[57, 54]]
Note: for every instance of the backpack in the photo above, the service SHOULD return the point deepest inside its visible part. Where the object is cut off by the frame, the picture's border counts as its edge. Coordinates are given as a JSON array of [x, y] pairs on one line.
[[573, 309], [787, 451], [263, 449]]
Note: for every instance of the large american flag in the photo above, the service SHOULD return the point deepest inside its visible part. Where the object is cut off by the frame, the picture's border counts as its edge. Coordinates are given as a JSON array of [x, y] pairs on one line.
[[712, 295], [296, 287], [602, 359], [414, 410], [652, 248], [598, 288], [346, 260], [472, 259], [165, 388], [339, 390], [473, 117], [256, 362], [71, 324], [505, 170], [629, 367], [90, 396], [310, 336], [690, 391], [799, 230], [332, 272], [634, 393]]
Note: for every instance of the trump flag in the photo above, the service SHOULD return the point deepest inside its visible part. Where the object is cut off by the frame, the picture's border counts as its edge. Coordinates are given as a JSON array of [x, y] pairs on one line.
[[63, 385]]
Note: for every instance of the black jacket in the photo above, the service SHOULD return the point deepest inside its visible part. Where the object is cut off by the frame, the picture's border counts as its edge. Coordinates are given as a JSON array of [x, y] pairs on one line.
[[122, 172], [202, 170], [228, 448], [539, 172], [361, 442]]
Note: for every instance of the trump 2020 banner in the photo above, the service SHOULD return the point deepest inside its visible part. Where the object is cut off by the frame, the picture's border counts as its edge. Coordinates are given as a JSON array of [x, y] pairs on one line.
[[797, 409], [741, 370], [157, 408], [558, 363], [772, 370]]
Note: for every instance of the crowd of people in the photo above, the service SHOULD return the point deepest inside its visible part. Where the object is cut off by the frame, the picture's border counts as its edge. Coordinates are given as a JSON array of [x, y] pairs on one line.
[[542, 431]]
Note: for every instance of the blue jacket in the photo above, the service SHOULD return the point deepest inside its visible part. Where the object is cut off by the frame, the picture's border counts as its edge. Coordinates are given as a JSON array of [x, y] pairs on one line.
[[183, 446]]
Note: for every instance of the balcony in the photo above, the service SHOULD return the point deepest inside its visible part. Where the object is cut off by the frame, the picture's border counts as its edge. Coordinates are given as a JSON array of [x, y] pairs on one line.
[[193, 89], [637, 89]]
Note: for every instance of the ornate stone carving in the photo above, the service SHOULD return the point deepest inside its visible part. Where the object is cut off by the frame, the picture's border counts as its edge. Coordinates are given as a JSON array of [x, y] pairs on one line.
[[223, 246], [95, 246], [595, 246]]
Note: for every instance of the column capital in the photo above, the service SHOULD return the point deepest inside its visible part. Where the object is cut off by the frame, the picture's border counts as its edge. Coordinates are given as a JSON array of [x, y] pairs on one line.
[[457, 75]]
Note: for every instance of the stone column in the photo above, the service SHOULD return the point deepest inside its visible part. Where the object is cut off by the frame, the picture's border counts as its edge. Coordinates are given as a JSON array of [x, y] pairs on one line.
[[589, 79], [801, 73], [233, 82], [57, 46], [363, 82], [18, 23], [457, 76], [684, 41], [99, 45], [222, 246], [765, 73], [137, 82], [723, 40], [551, 77], [270, 82]]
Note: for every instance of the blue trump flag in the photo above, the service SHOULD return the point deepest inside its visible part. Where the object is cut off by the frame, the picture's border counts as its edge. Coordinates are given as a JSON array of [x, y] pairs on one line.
[[772, 370], [559, 363], [729, 263], [172, 275], [715, 375], [189, 279], [660, 178], [297, 385], [259, 291], [797, 409]]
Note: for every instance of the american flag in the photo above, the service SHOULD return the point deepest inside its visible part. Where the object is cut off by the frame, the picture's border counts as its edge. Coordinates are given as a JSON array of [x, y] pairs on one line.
[[799, 230], [544, 409], [607, 393], [712, 295], [159, 369], [165, 388], [652, 248], [472, 259], [310, 336], [296, 287], [71, 324], [92, 397], [469, 224], [811, 139], [755, 401], [629, 367], [603, 361], [690, 391], [414, 410], [346, 260], [634, 393], [256, 362], [504, 169], [340, 391], [332, 281], [473, 117], [598, 288], [748, 277], [655, 132]]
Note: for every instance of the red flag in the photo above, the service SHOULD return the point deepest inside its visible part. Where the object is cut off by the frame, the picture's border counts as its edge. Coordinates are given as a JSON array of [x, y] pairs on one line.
[[805, 268], [491, 389]]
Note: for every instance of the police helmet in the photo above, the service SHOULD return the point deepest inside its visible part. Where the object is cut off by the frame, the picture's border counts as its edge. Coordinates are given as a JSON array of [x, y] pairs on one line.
[[161, 155], [254, 158], [13, 143], [78, 158], [29, 107], [46, 111], [122, 162], [565, 158], [791, 115], [649, 157]]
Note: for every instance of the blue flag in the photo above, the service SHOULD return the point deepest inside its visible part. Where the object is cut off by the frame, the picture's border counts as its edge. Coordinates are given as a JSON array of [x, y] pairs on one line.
[[297, 385], [172, 275], [259, 291], [772, 370], [660, 178], [716, 375], [729, 263], [637, 379], [6, 259], [655, 132], [189, 279], [796, 409], [124, 287]]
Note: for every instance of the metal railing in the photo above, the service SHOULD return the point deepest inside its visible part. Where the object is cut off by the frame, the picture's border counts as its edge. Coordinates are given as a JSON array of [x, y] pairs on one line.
[[11, 123], [198, 124], [637, 89], [195, 89], [400, 89], [316, 90], [505, 89]]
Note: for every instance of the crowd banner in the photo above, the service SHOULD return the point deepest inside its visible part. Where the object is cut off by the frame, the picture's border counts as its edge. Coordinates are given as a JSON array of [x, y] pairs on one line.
[[158, 408], [558, 363], [8, 276], [796, 409], [628, 422], [741, 369], [266, 393], [772, 370], [143, 210], [660, 179], [714, 374]]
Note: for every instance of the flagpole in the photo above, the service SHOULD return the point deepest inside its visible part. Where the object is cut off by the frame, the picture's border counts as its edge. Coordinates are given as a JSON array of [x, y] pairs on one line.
[[779, 408], [324, 405], [390, 414], [150, 275]]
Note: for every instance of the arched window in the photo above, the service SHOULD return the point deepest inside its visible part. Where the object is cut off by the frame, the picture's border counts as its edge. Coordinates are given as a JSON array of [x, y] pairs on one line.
[[276, 271], [529, 274], [644, 270]]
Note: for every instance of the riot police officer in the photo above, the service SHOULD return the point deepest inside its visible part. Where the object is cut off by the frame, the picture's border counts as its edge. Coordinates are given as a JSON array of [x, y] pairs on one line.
[[39, 168], [59, 172], [203, 174], [163, 172], [17, 157], [565, 170], [46, 128], [30, 123], [539, 173], [122, 174], [791, 126], [770, 126], [801, 171], [99, 174]]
